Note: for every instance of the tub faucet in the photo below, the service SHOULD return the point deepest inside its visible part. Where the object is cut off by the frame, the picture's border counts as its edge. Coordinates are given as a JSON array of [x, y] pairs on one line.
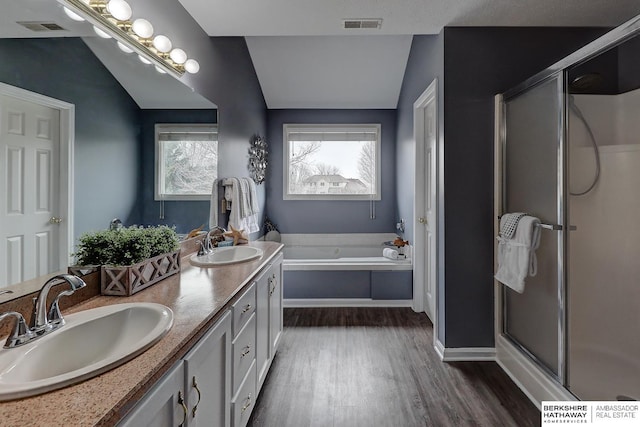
[[41, 322]]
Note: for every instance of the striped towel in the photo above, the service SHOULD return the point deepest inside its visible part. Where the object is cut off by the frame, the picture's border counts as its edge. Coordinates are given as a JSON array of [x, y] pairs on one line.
[[509, 224]]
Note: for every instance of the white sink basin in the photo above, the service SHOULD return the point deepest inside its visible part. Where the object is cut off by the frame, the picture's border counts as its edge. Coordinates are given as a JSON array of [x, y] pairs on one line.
[[92, 342], [226, 255]]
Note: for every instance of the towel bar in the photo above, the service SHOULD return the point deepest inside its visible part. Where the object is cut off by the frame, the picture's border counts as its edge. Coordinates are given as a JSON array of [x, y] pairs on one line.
[[554, 227]]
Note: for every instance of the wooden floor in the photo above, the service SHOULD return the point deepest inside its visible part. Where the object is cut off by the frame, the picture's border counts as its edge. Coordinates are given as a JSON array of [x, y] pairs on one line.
[[377, 367]]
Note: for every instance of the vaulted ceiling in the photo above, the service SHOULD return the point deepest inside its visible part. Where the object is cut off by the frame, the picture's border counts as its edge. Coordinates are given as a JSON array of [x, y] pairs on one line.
[[305, 58]]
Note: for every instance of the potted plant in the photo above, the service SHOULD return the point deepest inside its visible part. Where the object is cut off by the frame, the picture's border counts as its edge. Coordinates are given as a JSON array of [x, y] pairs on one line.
[[131, 258]]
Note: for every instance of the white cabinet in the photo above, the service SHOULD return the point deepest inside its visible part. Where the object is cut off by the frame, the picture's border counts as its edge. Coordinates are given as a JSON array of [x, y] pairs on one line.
[[208, 377], [163, 406], [275, 305], [268, 317], [217, 382], [196, 391]]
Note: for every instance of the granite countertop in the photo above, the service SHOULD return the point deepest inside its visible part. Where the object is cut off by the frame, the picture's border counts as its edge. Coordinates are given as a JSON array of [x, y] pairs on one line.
[[197, 297]]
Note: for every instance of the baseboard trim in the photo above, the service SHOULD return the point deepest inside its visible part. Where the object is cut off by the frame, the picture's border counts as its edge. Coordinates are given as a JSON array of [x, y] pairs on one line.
[[468, 354], [343, 302], [439, 348], [536, 384]]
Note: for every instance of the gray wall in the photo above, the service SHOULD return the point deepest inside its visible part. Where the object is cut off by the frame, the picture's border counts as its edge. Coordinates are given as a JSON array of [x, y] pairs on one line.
[[349, 216], [107, 132], [184, 215], [226, 77], [425, 63], [479, 63]]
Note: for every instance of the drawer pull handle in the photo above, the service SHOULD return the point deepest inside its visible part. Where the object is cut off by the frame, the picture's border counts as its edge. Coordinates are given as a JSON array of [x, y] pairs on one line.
[[195, 408], [245, 351], [246, 308], [247, 403], [184, 408], [273, 282]]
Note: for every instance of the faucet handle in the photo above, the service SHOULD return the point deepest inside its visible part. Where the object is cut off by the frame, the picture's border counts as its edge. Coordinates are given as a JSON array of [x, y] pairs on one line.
[[54, 317], [20, 334]]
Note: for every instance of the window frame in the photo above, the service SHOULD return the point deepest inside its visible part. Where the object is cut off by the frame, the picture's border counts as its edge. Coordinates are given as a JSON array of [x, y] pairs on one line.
[[159, 164], [288, 128]]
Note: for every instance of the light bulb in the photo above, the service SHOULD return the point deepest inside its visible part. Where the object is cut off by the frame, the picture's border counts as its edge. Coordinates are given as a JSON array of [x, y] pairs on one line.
[[160, 70], [162, 43], [192, 66], [71, 14], [178, 56], [142, 28], [144, 60], [101, 33], [119, 9], [123, 47]]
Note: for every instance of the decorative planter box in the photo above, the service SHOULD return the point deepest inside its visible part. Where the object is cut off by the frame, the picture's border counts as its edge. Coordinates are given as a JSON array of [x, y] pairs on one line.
[[127, 280]]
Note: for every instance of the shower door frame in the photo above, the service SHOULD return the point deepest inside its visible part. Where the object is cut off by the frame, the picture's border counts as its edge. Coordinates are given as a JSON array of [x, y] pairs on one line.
[[561, 217], [609, 40]]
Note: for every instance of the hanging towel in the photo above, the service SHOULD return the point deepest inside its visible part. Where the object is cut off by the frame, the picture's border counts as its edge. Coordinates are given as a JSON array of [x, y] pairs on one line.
[[517, 255], [244, 205], [213, 206], [509, 223]]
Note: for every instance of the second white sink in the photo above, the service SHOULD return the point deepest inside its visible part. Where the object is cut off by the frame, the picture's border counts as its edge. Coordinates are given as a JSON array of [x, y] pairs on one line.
[[226, 255], [90, 343]]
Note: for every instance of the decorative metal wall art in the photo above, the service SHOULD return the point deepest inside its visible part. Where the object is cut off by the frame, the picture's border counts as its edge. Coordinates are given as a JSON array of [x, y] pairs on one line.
[[258, 152]]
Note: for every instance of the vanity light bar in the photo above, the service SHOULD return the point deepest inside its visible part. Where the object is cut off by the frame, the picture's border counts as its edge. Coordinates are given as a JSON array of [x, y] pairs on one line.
[[121, 31]]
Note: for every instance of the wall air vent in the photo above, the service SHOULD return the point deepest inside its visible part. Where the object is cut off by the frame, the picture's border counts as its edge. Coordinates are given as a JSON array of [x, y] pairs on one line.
[[41, 26], [357, 24]]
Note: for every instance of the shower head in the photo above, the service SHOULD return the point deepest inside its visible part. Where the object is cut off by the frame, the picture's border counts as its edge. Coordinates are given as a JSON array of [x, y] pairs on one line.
[[586, 82]]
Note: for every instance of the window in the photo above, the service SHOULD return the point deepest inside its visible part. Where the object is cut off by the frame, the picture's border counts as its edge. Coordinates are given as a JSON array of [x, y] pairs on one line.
[[186, 161], [331, 162]]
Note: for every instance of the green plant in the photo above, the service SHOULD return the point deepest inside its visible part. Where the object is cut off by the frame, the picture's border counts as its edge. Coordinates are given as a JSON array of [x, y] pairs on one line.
[[125, 246]]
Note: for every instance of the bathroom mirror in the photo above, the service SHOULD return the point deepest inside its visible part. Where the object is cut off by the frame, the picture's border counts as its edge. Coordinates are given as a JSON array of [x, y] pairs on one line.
[[74, 64]]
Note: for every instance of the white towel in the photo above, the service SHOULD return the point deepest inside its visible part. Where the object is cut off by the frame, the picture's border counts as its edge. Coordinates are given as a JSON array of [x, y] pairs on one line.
[[517, 256], [244, 210], [213, 206], [390, 253]]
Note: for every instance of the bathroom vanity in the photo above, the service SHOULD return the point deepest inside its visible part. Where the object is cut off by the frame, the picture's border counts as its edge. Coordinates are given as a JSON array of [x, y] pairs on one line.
[[207, 370]]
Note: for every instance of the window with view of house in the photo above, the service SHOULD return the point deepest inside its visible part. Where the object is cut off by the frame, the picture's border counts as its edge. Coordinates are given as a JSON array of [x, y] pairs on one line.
[[331, 162], [186, 161]]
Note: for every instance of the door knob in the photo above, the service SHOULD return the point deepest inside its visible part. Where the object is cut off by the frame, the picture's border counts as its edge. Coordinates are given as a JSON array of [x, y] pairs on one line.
[[55, 220], [422, 220]]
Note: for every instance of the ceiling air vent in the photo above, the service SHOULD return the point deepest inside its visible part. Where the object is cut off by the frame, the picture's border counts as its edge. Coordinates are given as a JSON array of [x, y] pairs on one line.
[[41, 26], [350, 24]]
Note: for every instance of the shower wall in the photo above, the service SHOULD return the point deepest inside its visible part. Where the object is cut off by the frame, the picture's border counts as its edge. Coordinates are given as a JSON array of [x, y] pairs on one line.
[[603, 268]]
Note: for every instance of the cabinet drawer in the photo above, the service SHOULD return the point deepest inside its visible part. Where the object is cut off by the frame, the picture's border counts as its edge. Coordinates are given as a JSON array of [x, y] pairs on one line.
[[243, 309], [244, 352], [243, 402]]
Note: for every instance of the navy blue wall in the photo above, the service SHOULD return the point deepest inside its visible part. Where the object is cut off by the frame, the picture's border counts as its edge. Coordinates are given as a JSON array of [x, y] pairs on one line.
[[327, 216], [479, 63], [184, 215], [107, 131]]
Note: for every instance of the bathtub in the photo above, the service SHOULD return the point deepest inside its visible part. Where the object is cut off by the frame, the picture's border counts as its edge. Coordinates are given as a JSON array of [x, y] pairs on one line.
[[344, 270]]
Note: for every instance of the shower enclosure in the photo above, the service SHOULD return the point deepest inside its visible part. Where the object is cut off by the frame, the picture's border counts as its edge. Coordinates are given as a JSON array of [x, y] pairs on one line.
[[571, 156]]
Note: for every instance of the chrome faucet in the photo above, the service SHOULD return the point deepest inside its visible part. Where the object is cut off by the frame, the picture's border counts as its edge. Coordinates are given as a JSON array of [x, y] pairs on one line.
[[41, 322], [206, 246]]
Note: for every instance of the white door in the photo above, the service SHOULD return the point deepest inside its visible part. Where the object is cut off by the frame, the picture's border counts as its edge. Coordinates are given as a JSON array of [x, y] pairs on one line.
[[429, 218], [30, 188], [425, 121]]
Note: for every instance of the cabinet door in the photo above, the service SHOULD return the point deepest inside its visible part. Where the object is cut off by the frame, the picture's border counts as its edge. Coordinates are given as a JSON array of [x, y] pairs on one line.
[[262, 327], [162, 406], [275, 306], [207, 378]]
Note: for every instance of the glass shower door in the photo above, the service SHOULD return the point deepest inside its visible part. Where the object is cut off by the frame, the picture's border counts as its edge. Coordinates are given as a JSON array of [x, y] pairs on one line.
[[532, 181]]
